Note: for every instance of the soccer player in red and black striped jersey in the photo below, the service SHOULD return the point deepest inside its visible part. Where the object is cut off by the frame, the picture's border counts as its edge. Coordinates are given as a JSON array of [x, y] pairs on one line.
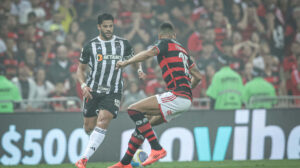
[[180, 74]]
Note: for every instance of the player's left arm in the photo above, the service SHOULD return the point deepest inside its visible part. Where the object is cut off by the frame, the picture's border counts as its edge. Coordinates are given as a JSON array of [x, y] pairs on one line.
[[138, 58], [196, 76]]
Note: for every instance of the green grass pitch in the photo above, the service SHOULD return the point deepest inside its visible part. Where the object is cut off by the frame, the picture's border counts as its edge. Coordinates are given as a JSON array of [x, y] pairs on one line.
[[194, 164]]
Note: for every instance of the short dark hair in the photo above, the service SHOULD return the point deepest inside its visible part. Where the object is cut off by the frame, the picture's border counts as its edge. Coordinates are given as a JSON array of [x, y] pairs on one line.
[[166, 28], [105, 16]]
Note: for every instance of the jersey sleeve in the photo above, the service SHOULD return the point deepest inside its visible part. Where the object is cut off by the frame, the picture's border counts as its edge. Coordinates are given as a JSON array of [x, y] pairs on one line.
[[85, 54], [129, 52], [161, 46]]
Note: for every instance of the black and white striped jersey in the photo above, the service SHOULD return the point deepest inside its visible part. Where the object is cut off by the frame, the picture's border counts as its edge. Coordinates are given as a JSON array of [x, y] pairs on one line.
[[102, 56]]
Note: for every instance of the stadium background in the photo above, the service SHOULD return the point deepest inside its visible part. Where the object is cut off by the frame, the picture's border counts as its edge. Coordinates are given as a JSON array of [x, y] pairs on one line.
[[261, 34]]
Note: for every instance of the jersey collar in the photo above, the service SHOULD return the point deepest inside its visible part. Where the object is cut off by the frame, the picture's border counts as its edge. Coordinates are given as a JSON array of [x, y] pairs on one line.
[[112, 39]]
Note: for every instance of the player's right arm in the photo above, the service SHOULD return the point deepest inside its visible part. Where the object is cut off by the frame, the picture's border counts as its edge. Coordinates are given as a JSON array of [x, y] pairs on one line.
[[81, 78], [143, 55], [82, 67]]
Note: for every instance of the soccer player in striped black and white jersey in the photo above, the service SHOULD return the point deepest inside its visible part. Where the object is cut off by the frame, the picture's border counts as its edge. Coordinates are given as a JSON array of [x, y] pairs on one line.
[[102, 90]]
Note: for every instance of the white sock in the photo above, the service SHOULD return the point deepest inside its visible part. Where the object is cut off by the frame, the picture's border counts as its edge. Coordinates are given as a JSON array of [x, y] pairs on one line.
[[96, 138]]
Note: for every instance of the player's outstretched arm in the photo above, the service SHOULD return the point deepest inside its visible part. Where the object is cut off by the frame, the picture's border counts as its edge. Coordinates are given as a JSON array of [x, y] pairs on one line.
[[137, 58], [196, 76]]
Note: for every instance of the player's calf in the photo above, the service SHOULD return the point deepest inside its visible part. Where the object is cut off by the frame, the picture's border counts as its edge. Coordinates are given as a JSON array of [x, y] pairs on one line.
[[144, 127]]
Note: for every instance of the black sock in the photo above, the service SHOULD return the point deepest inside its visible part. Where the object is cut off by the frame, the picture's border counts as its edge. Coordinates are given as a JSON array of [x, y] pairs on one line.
[[144, 127], [134, 143]]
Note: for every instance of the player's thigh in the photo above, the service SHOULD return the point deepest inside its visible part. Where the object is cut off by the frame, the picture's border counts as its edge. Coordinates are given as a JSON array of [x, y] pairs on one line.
[[155, 120], [148, 106], [104, 118]]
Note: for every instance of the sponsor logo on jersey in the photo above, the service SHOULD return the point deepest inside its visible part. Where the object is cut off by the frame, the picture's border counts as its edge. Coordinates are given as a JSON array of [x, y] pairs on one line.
[[99, 57], [117, 102], [114, 57]]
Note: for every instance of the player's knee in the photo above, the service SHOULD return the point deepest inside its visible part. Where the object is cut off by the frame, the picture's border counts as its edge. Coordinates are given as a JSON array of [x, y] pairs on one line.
[[103, 123], [132, 107]]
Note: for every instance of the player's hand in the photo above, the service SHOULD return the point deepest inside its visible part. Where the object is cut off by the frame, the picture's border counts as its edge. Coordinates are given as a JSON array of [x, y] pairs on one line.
[[86, 91], [121, 64], [141, 74]]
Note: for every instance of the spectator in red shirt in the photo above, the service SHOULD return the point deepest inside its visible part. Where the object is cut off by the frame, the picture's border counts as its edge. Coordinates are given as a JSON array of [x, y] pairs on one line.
[[47, 50], [296, 81], [195, 40], [10, 58], [222, 28], [292, 30], [250, 21], [289, 64], [272, 71]]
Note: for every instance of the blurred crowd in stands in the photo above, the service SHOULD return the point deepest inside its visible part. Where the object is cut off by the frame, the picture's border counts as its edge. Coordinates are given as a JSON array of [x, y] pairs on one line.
[[41, 40]]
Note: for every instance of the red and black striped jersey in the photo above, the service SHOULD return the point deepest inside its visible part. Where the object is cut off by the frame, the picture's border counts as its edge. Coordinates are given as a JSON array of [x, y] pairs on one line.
[[175, 64]]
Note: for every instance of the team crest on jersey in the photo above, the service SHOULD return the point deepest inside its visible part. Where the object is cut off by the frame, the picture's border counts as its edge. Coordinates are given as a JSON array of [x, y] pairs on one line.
[[99, 57]]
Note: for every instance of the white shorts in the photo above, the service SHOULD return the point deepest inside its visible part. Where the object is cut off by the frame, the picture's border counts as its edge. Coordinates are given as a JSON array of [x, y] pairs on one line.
[[171, 105]]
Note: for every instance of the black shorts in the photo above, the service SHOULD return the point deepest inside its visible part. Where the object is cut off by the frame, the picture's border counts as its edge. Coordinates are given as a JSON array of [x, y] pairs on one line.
[[101, 101]]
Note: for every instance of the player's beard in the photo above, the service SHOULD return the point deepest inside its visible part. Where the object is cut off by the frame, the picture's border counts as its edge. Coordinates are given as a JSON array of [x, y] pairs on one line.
[[105, 36]]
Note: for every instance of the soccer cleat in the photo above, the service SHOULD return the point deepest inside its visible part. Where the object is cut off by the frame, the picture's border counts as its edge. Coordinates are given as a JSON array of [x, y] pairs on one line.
[[81, 163], [120, 165], [154, 156]]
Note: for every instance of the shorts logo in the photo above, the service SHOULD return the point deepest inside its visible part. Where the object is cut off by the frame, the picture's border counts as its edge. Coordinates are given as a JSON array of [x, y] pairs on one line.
[[169, 112], [117, 102], [99, 57]]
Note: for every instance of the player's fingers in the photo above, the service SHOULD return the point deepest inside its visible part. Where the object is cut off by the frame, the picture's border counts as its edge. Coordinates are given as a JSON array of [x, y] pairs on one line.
[[89, 90], [89, 95], [142, 75], [117, 65]]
